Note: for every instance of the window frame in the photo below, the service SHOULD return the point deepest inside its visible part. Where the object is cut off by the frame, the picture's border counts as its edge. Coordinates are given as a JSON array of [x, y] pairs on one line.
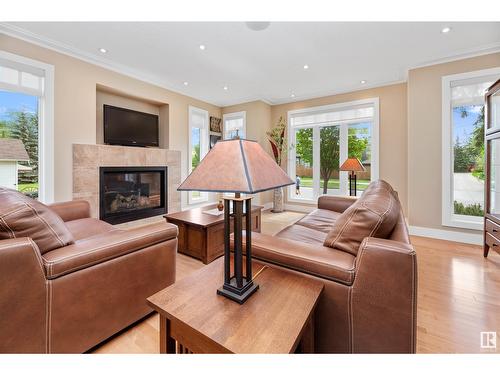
[[45, 122], [343, 178], [232, 116], [448, 217], [204, 145]]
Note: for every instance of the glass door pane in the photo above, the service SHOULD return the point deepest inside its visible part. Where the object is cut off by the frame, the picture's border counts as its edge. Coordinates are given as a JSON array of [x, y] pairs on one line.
[[303, 165], [359, 146], [494, 176], [329, 159], [494, 110]]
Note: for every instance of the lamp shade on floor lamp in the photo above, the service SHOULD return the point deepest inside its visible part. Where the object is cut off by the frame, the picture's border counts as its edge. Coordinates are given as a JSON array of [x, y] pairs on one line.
[[352, 165]]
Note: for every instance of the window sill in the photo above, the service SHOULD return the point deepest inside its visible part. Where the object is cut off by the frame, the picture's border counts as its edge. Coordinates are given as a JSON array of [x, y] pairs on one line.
[[464, 222]]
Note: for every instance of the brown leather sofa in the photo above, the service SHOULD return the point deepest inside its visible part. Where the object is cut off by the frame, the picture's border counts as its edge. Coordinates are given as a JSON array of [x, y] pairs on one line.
[[68, 281], [369, 301]]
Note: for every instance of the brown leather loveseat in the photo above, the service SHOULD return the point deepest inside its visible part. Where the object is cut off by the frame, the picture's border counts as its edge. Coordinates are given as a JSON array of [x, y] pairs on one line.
[[68, 281], [360, 249]]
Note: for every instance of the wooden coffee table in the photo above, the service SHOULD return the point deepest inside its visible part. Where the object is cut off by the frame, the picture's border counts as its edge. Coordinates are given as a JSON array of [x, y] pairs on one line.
[[201, 235], [276, 319]]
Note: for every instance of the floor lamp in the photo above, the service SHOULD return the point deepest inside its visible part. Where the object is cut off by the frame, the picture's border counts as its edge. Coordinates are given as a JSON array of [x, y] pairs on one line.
[[352, 165]]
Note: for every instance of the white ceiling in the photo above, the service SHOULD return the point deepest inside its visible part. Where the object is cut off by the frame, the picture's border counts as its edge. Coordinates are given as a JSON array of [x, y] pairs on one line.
[[268, 64]]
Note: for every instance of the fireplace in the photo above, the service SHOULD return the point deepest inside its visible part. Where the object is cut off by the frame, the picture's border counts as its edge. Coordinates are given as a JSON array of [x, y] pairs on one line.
[[131, 193]]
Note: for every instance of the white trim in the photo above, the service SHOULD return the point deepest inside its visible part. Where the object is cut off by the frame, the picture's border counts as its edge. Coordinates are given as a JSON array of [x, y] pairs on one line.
[[448, 218], [28, 36], [300, 208], [45, 126], [231, 116], [203, 149], [267, 206], [448, 235], [466, 54], [375, 165]]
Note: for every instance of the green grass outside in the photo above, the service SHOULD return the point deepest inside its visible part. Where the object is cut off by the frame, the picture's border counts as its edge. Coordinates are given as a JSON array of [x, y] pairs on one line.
[[28, 187], [332, 184]]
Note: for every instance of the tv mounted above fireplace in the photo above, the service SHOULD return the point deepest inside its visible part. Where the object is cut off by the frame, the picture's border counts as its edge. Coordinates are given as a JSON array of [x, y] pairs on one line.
[[126, 127]]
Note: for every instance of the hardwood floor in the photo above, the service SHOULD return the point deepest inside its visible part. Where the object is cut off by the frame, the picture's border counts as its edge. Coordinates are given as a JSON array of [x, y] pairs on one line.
[[458, 297]]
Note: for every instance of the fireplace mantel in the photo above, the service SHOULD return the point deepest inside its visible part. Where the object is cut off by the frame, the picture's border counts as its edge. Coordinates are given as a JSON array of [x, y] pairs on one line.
[[87, 159]]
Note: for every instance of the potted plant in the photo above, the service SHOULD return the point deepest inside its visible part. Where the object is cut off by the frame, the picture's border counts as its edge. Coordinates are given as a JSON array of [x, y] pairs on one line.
[[276, 137]]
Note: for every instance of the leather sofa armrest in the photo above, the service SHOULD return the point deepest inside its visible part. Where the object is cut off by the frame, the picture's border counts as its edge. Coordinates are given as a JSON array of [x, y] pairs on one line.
[[335, 203], [71, 210], [23, 297], [384, 291], [98, 249]]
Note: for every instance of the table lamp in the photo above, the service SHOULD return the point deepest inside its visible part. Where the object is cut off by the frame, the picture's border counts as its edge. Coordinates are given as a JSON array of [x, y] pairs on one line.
[[237, 166], [352, 165]]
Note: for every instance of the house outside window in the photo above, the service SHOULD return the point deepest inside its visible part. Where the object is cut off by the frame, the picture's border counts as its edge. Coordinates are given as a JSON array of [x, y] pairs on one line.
[[322, 138], [26, 126], [463, 147]]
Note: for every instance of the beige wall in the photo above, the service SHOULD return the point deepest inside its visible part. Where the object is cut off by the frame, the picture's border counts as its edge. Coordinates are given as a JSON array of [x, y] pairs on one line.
[[258, 122], [424, 136], [393, 129], [75, 106]]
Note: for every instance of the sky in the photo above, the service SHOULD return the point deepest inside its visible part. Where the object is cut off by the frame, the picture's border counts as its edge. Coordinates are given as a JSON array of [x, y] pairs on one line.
[[10, 102], [463, 127]]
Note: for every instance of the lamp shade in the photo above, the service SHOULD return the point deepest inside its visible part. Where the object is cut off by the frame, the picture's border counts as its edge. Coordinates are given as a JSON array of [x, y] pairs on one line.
[[352, 164], [236, 166]]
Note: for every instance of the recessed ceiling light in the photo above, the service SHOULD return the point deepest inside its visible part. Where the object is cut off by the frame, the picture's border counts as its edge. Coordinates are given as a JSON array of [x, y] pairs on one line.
[[293, 95], [306, 67], [202, 47], [225, 88], [186, 83], [362, 81], [103, 50], [445, 30]]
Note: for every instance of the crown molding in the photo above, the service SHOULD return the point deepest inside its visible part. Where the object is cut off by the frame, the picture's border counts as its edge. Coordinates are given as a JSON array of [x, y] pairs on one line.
[[348, 90], [27, 36], [20, 33], [464, 54]]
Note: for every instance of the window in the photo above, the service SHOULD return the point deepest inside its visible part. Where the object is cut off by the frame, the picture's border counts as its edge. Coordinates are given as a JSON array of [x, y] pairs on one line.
[[463, 147], [234, 125], [322, 138], [198, 147], [26, 126]]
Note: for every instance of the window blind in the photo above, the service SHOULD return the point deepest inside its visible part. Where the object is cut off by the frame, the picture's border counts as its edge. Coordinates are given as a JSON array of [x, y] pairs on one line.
[[21, 78], [326, 117]]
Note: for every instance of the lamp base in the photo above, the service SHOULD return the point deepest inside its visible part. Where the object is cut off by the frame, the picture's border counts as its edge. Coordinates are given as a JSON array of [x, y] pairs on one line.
[[236, 294]]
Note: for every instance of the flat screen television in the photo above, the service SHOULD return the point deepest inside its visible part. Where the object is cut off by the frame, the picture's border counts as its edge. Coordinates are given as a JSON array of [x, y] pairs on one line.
[[126, 127]]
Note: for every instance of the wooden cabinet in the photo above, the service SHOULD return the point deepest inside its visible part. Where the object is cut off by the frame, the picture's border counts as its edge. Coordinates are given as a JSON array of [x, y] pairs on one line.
[[202, 235], [492, 169]]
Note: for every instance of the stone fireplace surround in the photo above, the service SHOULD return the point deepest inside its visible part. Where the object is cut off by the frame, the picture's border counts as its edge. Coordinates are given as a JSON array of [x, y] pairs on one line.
[[87, 159]]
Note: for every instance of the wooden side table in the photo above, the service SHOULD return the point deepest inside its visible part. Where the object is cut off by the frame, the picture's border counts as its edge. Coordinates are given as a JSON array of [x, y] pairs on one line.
[[201, 235], [276, 319]]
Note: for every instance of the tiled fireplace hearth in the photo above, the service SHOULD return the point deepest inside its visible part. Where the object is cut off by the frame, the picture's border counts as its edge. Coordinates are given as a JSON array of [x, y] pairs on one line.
[[89, 161]]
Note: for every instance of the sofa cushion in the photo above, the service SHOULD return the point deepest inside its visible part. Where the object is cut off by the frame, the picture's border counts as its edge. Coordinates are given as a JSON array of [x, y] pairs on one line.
[[21, 216], [88, 227], [103, 247], [302, 234], [319, 219], [315, 260], [374, 214]]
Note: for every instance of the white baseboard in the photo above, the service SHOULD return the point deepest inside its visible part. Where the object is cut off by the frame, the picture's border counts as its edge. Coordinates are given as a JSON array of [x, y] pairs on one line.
[[300, 208], [441, 234], [267, 206]]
